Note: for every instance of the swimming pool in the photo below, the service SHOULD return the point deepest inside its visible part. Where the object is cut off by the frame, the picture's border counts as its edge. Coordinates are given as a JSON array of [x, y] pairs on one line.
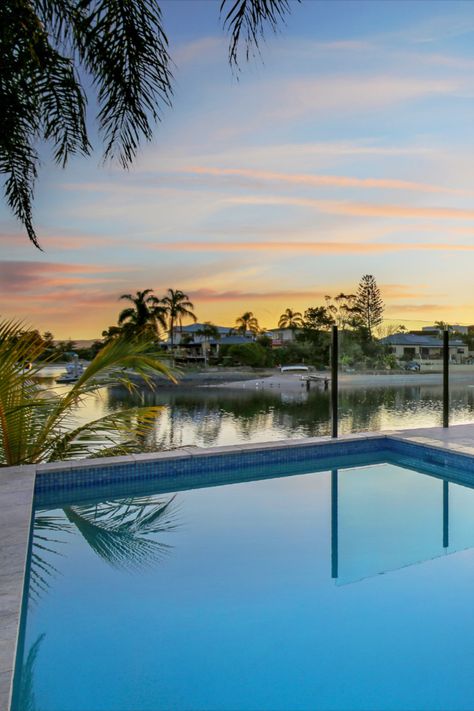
[[334, 577]]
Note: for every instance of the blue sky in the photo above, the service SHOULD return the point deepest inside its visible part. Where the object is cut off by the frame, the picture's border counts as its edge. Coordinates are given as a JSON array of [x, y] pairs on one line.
[[345, 149]]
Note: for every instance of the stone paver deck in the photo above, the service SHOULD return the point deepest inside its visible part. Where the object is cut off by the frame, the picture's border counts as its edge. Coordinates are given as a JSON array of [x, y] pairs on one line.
[[16, 504]]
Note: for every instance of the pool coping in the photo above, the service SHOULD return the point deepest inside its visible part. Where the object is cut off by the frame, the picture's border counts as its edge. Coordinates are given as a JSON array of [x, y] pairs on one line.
[[17, 487]]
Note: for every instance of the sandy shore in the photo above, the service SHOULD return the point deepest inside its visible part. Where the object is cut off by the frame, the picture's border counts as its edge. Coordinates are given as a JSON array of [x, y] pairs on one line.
[[292, 382], [272, 379]]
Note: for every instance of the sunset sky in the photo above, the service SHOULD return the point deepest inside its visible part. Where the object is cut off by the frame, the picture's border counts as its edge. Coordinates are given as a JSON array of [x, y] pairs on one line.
[[346, 149]]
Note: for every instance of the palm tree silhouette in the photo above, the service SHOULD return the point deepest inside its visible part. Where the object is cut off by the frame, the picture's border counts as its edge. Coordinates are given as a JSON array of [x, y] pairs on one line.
[[146, 314], [177, 307], [208, 331], [290, 319], [247, 322]]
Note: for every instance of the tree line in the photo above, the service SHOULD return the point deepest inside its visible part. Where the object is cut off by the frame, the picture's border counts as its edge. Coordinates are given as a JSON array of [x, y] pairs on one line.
[[157, 318]]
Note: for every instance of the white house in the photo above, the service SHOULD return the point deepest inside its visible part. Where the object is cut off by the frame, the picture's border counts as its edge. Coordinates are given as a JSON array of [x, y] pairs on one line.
[[406, 346]]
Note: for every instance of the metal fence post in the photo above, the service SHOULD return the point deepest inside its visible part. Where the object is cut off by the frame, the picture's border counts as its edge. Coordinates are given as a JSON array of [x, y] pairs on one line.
[[446, 378], [334, 525], [334, 386], [445, 514]]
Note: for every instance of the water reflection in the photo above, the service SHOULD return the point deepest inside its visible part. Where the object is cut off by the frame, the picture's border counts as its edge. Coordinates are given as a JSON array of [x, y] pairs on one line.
[[384, 521], [121, 532], [209, 417], [257, 563], [25, 697]]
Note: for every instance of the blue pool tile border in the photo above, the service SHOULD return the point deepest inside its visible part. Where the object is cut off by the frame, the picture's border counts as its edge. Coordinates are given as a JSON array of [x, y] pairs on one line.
[[191, 466]]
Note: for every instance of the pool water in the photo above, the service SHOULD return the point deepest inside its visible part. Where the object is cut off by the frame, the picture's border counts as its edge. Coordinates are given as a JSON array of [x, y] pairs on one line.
[[343, 589]]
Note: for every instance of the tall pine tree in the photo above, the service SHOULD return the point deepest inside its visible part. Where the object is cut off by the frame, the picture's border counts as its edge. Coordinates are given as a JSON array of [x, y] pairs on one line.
[[369, 304]]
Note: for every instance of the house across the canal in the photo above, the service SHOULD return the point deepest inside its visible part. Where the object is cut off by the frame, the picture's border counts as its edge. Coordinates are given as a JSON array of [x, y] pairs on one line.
[[411, 346]]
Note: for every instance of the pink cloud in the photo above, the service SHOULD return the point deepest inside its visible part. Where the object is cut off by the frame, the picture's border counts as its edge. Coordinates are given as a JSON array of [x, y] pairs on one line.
[[311, 247], [337, 181], [34, 277], [360, 209], [237, 295]]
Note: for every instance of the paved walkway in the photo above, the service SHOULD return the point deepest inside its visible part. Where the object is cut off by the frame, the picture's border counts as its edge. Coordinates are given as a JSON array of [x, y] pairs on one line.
[[457, 438]]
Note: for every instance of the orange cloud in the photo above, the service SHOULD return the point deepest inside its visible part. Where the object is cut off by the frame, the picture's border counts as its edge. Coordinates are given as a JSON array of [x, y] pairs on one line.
[[310, 247], [237, 295], [337, 181], [59, 241], [334, 207]]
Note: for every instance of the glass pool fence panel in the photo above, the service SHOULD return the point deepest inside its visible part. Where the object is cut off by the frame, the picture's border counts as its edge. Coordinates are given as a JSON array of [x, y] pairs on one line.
[[402, 374]]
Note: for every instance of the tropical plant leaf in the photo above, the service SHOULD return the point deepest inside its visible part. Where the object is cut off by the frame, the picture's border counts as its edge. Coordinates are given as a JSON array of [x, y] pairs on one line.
[[37, 424]]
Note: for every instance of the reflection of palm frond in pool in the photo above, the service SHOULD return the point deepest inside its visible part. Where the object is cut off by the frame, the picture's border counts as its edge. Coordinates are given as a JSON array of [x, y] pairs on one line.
[[25, 696], [41, 568], [118, 531]]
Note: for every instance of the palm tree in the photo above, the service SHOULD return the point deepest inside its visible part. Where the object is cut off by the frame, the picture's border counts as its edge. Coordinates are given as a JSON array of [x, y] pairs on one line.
[[247, 322], [50, 47], [208, 331], [177, 308], [38, 425], [146, 314], [291, 319]]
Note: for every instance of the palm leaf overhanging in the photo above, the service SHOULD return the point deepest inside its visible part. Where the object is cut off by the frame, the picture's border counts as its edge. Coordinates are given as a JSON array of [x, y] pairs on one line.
[[245, 21], [38, 425], [52, 49]]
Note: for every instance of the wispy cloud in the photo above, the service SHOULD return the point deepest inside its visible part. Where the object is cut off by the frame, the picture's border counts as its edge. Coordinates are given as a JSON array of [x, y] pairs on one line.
[[294, 248], [337, 181], [333, 94], [206, 295], [34, 277], [359, 208]]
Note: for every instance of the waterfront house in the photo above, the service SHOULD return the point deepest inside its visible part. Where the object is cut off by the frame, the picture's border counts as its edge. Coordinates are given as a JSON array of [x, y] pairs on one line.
[[192, 345], [412, 346], [282, 336]]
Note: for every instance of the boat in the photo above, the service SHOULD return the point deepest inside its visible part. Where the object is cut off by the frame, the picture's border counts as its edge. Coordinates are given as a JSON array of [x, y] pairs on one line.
[[293, 368], [73, 372]]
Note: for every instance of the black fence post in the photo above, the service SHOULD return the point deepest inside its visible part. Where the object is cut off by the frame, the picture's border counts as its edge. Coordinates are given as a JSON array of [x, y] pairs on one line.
[[445, 514], [334, 374], [334, 525], [446, 378]]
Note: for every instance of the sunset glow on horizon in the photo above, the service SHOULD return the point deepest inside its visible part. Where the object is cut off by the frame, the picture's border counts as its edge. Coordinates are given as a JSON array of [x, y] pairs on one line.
[[346, 151]]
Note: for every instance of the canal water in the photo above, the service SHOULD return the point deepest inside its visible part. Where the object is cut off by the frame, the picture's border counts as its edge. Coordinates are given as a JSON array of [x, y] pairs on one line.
[[215, 416]]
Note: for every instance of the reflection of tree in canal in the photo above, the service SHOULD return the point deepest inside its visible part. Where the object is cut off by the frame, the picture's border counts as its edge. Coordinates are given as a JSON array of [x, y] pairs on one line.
[[201, 415]]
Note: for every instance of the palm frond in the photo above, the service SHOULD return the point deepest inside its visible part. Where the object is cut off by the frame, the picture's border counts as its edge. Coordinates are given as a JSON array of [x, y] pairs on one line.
[[37, 424], [124, 47], [245, 20]]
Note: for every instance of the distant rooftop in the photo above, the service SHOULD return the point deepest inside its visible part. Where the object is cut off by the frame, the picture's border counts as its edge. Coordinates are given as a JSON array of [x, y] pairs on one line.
[[195, 327], [413, 339]]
